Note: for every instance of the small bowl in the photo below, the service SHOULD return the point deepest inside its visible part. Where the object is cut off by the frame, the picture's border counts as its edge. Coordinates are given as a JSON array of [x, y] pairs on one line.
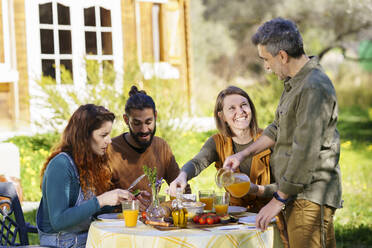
[[188, 197], [193, 208]]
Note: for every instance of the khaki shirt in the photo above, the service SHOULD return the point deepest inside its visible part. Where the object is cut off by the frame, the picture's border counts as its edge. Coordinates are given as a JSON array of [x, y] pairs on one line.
[[307, 145]]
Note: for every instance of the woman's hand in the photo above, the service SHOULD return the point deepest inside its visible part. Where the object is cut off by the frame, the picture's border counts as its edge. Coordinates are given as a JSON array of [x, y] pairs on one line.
[[114, 197], [179, 182]]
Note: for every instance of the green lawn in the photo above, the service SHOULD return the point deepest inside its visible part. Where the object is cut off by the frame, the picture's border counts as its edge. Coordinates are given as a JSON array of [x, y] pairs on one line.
[[353, 223]]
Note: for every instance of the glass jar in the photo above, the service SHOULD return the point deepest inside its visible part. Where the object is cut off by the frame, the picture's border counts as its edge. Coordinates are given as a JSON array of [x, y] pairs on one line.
[[237, 184]]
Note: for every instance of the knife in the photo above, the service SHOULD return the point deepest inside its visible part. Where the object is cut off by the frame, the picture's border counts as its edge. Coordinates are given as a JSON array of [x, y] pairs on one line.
[[136, 181]]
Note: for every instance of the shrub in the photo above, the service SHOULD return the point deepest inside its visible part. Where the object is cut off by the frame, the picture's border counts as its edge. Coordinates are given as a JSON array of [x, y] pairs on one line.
[[101, 89], [353, 86], [33, 152], [104, 89]]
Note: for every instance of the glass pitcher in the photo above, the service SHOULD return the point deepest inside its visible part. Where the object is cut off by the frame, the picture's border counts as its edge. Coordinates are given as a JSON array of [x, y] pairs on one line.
[[237, 184]]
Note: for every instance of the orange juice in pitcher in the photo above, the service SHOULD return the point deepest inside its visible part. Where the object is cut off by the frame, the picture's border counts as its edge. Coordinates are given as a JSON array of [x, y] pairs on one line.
[[237, 184], [239, 189]]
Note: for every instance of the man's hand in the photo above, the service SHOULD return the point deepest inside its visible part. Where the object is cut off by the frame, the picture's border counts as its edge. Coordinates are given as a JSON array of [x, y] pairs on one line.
[[179, 182], [144, 199], [256, 189], [232, 162], [267, 213], [263, 142]]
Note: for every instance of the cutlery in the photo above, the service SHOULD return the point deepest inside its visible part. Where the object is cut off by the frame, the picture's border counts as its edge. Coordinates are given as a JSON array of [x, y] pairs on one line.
[[136, 181]]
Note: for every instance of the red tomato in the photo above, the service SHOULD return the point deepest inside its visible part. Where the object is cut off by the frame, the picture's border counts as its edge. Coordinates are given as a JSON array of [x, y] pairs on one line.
[[202, 221], [196, 219], [210, 221], [217, 219], [144, 215]]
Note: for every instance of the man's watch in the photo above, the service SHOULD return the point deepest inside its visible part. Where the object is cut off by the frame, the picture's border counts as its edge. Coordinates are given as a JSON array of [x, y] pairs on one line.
[[276, 196]]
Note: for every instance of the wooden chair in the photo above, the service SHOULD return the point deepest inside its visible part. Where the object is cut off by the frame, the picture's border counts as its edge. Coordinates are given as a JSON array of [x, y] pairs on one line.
[[14, 229]]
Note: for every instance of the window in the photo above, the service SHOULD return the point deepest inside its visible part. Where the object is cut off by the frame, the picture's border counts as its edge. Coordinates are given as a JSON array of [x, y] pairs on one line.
[[8, 67], [69, 32], [98, 37], [158, 45], [55, 40], [156, 31]]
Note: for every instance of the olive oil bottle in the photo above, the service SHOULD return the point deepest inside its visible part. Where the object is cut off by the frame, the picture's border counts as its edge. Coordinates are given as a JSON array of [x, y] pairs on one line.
[[179, 213]]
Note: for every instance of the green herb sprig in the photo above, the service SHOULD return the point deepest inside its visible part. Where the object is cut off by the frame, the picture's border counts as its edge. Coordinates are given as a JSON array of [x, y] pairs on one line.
[[151, 174]]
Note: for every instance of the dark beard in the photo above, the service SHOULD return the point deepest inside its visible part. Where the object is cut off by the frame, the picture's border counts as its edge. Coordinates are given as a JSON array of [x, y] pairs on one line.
[[140, 143]]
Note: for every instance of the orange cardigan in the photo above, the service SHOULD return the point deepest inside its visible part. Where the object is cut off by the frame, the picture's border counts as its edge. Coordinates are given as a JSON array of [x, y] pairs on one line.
[[259, 173]]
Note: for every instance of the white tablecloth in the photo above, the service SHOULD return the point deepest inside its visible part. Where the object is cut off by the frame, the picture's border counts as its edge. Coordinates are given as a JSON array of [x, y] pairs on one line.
[[113, 233]]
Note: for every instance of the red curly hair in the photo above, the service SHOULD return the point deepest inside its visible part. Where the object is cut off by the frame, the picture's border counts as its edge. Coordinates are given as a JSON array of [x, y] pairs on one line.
[[95, 174]]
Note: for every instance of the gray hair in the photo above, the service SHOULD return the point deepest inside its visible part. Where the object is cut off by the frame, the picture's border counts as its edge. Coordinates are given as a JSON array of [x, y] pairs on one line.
[[280, 34]]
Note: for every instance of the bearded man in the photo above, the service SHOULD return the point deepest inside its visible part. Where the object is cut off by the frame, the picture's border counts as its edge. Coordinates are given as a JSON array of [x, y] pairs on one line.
[[130, 151]]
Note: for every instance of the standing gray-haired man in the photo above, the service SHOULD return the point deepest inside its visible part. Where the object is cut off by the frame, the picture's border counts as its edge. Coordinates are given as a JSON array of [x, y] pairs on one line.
[[304, 137]]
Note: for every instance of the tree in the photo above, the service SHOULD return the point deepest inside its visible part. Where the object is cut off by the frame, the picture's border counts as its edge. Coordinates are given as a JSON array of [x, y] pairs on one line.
[[331, 24], [324, 24]]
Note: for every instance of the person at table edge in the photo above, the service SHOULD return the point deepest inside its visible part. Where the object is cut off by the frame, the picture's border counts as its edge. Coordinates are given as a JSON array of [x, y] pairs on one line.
[[130, 151], [76, 179], [304, 136], [236, 121]]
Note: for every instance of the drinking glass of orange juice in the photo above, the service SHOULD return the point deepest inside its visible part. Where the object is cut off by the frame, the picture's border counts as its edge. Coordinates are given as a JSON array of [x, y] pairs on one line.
[[207, 197], [221, 202], [130, 210]]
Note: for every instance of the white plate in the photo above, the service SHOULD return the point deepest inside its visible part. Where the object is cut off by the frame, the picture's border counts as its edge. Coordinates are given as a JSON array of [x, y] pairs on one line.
[[236, 209], [251, 219], [109, 216]]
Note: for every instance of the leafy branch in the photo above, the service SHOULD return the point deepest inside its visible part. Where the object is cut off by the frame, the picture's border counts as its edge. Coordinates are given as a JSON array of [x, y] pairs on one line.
[[152, 176]]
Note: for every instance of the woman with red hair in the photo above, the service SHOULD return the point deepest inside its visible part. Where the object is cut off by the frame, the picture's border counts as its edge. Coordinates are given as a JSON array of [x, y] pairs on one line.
[[76, 179]]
